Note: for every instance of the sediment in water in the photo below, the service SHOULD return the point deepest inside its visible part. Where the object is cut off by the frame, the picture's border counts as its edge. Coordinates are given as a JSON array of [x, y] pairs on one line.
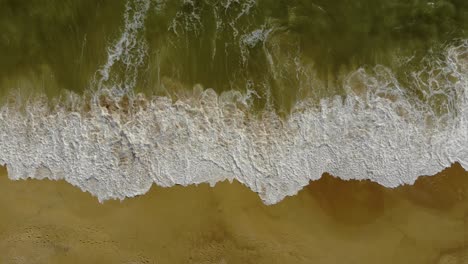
[[119, 148], [276, 115]]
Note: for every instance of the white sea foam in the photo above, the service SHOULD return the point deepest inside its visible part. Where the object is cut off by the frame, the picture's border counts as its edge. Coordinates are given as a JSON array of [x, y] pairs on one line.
[[378, 131], [129, 50], [381, 135]]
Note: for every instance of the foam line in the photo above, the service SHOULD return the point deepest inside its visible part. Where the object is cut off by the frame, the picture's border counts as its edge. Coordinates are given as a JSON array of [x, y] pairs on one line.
[[115, 154]]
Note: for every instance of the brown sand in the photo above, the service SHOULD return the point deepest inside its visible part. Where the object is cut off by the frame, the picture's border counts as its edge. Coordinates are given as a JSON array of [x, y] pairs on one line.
[[330, 221]]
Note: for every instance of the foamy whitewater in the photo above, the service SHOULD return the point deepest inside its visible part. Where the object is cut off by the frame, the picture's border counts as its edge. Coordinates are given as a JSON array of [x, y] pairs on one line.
[[378, 133]]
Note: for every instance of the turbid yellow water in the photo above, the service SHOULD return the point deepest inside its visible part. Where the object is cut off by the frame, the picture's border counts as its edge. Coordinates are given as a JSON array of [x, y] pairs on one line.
[[330, 221], [115, 96]]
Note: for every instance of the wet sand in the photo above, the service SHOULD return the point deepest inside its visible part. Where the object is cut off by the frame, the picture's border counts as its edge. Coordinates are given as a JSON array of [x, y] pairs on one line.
[[329, 221]]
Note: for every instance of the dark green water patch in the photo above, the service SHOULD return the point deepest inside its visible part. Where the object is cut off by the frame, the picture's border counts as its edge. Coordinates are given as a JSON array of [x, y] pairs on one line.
[[55, 44], [282, 50]]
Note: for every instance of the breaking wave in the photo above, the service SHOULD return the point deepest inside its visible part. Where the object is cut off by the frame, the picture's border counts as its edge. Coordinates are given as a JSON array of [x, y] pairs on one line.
[[116, 144], [118, 150]]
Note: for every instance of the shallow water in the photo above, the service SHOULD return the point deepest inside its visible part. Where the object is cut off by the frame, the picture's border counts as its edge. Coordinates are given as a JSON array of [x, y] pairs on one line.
[[122, 98], [271, 94], [283, 50], [330, 221]]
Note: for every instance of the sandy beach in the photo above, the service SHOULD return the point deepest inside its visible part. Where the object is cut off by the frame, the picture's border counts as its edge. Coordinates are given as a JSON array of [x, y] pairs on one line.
[[329, 221], [121, 97]]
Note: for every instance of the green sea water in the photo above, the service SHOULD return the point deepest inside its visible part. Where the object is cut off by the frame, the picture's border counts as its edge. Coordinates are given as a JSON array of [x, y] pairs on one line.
[[280, 51], [115, 96]]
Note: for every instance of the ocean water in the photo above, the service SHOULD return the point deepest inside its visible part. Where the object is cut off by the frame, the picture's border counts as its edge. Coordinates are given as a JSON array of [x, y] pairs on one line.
[[115, 96]]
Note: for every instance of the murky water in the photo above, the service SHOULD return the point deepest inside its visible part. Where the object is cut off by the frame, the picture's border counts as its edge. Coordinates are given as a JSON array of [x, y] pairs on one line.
[[271, 93], [122, 98], [283, 50], [330, 221]]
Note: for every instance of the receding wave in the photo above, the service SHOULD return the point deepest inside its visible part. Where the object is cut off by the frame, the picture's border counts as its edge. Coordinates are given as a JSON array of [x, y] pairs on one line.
[[115, 143]]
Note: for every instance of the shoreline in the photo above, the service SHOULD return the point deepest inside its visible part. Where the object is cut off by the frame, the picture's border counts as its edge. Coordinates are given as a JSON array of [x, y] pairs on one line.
[[326, 176], [53, 222]]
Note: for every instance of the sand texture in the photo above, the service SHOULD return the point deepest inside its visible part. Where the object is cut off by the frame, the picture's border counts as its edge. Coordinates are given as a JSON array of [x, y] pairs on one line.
[[330, 221]]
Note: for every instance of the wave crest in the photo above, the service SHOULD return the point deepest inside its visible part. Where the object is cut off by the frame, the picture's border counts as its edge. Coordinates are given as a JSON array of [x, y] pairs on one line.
[[115, 151]]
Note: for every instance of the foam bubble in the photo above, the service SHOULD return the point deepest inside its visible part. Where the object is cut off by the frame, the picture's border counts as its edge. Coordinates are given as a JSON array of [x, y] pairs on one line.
[[380, 133], [129, 50], [123, 143]]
